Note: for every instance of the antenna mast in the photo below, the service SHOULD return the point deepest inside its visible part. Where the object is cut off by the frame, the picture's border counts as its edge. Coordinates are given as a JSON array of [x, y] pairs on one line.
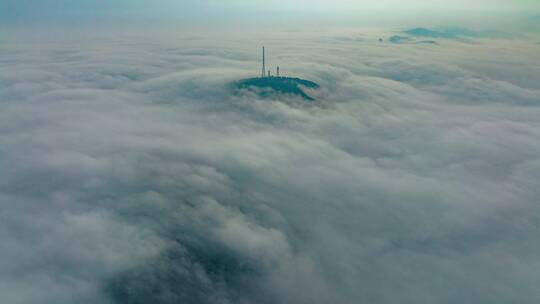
[[263, 66]]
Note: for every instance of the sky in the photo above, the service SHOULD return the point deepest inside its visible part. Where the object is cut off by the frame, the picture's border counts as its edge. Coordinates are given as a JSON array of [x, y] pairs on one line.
[[206, 10], [134, 172], [391, 5]]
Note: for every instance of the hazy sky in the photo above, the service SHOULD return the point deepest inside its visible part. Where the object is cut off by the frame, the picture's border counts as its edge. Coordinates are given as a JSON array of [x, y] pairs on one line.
[[388, 4], [25, 9]]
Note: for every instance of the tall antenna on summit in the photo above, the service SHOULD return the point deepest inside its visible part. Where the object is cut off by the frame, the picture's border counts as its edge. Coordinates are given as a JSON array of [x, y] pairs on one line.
[[264, 66]]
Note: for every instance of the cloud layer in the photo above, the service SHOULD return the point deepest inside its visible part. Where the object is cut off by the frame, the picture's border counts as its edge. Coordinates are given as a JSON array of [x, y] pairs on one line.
[[132, 174]]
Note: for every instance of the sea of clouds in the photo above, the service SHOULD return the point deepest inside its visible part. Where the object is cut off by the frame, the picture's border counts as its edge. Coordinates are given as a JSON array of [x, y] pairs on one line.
[[132, 173]]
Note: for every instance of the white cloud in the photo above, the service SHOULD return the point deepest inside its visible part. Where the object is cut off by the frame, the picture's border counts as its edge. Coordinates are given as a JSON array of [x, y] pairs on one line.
[[131, 173]]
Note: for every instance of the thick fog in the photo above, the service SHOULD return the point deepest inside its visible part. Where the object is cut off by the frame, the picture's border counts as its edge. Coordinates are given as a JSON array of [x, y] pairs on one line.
[[131, 172]]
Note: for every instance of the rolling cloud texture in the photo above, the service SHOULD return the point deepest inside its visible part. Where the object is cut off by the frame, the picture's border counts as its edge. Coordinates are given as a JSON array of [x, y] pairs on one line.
[[132, 174]]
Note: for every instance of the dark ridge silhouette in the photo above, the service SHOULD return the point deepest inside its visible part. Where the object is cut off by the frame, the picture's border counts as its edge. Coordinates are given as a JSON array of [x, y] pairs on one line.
[[270, 86], [399, 39], [424, 32], [452, 32], [408, 40]]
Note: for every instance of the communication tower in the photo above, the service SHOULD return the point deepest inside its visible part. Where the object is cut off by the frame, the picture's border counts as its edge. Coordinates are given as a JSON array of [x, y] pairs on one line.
[[263, 66]]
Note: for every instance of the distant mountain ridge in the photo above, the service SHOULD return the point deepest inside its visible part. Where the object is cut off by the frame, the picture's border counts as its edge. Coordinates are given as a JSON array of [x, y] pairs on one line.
[[452, 32]]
